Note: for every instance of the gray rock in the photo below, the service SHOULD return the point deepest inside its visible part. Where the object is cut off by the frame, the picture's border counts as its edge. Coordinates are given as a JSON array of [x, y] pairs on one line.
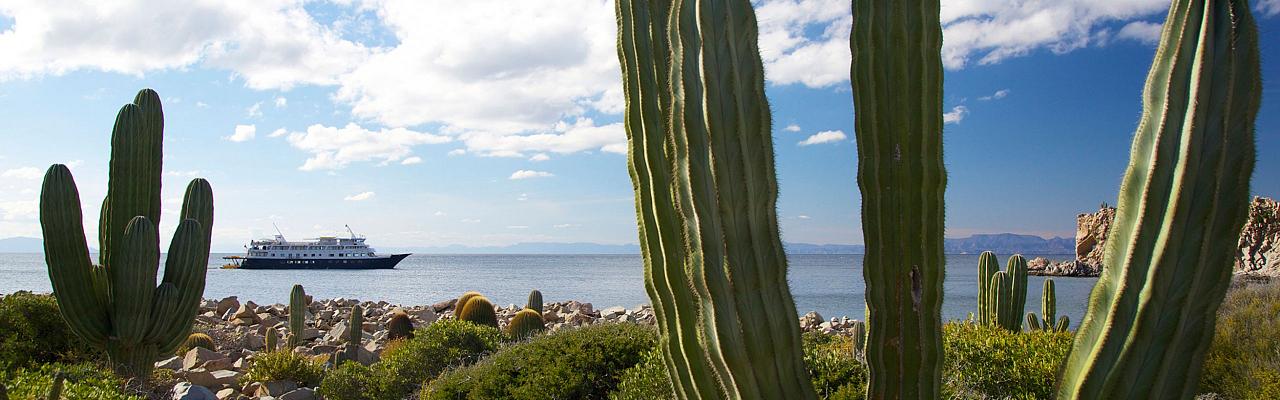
[[188, 391], [276, 388], [299, 394], [228, 393], [199, 356], [171, 363], [214, 379], [226, 304]]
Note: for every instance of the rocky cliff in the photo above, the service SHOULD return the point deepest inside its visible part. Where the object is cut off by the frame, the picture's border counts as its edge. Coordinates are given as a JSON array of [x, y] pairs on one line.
[[1259, 252]]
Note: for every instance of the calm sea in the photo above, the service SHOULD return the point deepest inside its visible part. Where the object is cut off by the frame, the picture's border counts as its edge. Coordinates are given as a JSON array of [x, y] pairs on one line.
[[829, 284]]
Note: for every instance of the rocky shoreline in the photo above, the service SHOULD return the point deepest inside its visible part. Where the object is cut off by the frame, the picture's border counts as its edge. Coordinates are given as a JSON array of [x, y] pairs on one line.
[[239, 331]]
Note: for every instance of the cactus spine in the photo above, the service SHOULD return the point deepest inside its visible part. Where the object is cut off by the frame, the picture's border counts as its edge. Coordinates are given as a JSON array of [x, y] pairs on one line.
[[272, 340], [535, 301], [897, 94], [988, 265], [701, 161], [526, 323], [1182, 203], [478, 310], [116, 305], [297, 315]]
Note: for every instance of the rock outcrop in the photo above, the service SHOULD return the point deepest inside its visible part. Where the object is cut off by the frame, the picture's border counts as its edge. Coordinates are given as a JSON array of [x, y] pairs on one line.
[[1259, 253]]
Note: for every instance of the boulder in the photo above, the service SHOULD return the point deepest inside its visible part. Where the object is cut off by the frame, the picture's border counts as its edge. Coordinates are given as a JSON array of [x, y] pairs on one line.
[[188, 391], [172, 363], [616, 310], [199, 356], [276, 388], [226, 304], [228, 394], [213, 379], [299, 394], [1091, 234], [443, 305]]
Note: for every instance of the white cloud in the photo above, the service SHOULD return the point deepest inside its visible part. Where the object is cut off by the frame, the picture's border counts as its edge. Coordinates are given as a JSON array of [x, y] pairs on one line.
[[270, 44], [185, 174], [255, 110], [440, 213], [999, 94], [243, 133], [278, 132], [562, 226], [334, 147], [73, 164], [1269, 8], [540, 157], [527, 174], [412, 160], [23, 173], [517, 227], [1141, 31], [564, 138], [457, 152], [359, 197], [956, 115], [202, 104], [281, 102], [21, 210], [824, 137], [792, 128], [802, 216]]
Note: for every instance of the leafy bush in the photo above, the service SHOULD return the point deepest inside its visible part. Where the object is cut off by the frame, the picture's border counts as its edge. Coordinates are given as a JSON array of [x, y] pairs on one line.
[[647, 380], [1244, 360], [408, 363], [32, 332], [582, 363], [833, 370], [284, 365], [84, 381], [983, 361]]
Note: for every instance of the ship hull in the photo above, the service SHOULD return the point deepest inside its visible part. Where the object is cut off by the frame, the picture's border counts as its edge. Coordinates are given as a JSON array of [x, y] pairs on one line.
[[387, 262]]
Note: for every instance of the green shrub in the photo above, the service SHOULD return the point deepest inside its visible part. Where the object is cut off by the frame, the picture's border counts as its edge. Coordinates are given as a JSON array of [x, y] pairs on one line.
[[409, 363], [1244, 360], [989, 362], [84, 381], [284, 365], [833, 370], [648, 380], [32, 332], [582, 363]]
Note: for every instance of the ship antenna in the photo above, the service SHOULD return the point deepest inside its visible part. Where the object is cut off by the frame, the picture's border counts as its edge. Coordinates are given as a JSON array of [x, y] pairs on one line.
[[278, 230], [353, 233]]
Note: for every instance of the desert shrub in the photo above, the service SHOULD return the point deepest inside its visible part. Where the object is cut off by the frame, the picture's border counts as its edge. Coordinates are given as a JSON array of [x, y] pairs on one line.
[[1244, 360], [32, 332], [350, 381], [284, 365], [582, 363], [989, 362], [87, 380], [833, 370], [408, 363], [647, 380]]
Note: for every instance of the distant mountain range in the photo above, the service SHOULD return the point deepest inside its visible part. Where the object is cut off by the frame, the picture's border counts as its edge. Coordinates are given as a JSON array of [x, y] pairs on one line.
[[1001, 243]]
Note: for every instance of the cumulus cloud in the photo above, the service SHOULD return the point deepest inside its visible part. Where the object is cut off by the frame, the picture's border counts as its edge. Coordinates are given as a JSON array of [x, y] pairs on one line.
[[243, 133], [824, 137], [528, 174], [792, 128], [281, 102], [999, 94], [334, 147], [255, 110], [540, 157], [359, 196], [20, 210], [23, 173], [956, 115], [270, 44], [278, 132], [1142, 31], [563, 138], [1269, 8], [412, 160]]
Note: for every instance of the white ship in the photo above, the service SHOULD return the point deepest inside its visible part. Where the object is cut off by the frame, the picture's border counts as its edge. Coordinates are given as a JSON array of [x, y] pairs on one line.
[[326, 252]]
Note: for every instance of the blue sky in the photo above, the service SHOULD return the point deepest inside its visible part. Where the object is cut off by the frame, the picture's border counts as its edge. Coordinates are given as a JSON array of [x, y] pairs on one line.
[[492, 122]]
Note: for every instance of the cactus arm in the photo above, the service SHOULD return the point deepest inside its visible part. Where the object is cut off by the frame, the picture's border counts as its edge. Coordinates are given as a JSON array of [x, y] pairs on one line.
[[1017, 266], [133, 187], [987, 266], [896, 77], [178, 297], [1183, 201], [1049, 302], [74, 278], [133, 279], [297, 316]]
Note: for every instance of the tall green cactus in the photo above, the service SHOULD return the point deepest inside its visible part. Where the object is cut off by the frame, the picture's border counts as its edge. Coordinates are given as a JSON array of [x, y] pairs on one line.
[[535, 301], [988, 265], [116, 305], [355, 333], [272, 339], [1182, 204], [701, 163], [1048, 304], [1017, 269], [297, 316], [897, 95]]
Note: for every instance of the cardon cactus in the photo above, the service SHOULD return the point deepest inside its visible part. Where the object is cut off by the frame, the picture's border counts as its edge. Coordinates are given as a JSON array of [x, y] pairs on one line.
[[988, 265], [1000, 299], [525, 323], [1017, 269], [859, 335], [1033, 322], [700, 154], [535, 301], [1063, 324], [1048, 305], [355, 333], [197, 340], [399, 327], [116, 305], [896, 77], [479, 310], [272, 339], [297, 315], [1182, 204]]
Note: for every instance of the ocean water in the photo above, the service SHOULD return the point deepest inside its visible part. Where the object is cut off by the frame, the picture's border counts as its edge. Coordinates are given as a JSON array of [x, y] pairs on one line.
[[832, 285]]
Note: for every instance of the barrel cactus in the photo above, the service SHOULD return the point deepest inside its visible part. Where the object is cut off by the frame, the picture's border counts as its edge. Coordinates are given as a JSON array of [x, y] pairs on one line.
[[116, 304], [399, 327], [462, 300], [535, 301], [197, 340], [297, 315], [1182, 204], [525, 323], [479, 310], [700, 154]]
